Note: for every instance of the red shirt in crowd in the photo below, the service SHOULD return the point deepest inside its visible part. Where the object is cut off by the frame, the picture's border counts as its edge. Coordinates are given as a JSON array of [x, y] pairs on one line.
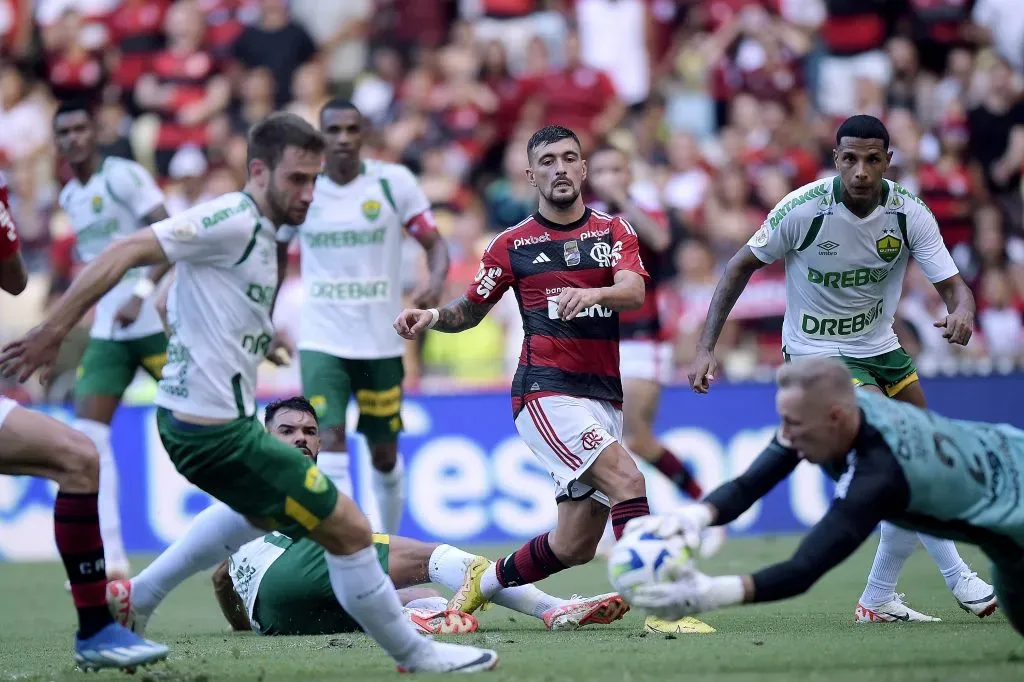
[[188, 75], [136, 28], [947, 190], [572, 97]]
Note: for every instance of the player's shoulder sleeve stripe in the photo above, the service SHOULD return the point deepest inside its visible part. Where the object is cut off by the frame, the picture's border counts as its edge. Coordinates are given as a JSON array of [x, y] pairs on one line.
[[810, 199], [506, 231], [600, 214], [629, 228]]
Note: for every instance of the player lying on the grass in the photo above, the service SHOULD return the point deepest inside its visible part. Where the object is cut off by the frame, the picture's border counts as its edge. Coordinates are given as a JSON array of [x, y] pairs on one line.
[[891, 461], [277, 586], [32, 444]]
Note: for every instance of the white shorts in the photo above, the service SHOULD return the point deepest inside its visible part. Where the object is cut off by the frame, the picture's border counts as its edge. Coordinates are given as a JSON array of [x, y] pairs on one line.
[[646, 359], [567, 434], [6, 406]]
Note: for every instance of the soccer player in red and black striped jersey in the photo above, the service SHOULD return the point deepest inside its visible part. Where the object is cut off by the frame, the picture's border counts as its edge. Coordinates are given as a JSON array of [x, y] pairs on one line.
[[645, 350], [572, 270], [34, 444]]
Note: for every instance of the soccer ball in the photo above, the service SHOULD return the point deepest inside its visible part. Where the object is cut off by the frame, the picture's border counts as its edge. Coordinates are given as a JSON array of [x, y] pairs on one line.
[[645, 559]]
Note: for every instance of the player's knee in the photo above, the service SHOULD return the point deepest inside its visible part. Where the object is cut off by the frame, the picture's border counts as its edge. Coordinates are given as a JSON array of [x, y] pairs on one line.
[[78, 463], [384, 456], [332, 439], [626, 480]]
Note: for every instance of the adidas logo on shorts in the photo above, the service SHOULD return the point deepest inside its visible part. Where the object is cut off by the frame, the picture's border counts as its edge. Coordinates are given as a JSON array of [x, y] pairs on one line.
[[542, 258]]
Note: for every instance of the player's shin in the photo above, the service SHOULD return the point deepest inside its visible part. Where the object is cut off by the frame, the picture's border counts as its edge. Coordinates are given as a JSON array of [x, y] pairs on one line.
[[216, 533], [110, 515], [368, 595], [894, 548], [627, 510], [335, 466], [76, 527], [389, 489]]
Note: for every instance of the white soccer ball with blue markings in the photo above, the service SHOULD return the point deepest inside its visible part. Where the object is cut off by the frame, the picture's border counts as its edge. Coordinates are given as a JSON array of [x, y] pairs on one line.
[[645, 559]]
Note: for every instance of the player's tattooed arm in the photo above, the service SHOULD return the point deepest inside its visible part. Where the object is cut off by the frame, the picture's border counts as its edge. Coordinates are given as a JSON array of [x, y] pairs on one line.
[[230, 604], [460, 315]]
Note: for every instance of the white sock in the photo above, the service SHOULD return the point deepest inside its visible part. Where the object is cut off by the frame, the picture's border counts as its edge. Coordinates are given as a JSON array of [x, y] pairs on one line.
[[447, 566], [114, 554], [945, 556], [527, 599], [335, 466], [894, 548], [368, 595], [434, 604], [389, 489], [216, 533], [489, 584]]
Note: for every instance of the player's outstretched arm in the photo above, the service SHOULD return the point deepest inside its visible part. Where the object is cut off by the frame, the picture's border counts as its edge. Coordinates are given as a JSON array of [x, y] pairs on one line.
[[230, 604], [459, 315], [725, 504], [39, 347], [737, 273]]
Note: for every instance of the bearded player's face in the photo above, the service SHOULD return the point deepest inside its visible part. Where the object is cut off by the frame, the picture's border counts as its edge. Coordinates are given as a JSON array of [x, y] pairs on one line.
[[558, 170], [290, 190], [296, 429]]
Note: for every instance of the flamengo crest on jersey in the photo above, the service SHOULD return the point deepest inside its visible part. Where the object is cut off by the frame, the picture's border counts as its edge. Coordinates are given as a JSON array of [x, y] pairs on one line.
[[110, 206], [844, 274]]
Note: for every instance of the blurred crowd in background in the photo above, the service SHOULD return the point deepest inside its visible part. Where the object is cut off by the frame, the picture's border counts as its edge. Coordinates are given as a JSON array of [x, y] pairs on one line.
[[725, 106]]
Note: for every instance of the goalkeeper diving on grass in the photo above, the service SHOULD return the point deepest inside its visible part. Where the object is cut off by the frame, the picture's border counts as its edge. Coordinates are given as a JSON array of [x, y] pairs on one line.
[[892, 461]]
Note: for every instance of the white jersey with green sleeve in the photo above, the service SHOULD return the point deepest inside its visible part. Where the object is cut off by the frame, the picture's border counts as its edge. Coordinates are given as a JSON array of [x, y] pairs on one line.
[[110, 206], [844, 274], [250, 563], [351, 261], [218, 308]]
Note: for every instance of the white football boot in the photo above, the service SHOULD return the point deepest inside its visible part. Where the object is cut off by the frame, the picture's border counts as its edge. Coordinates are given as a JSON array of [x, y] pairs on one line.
[[974, 595], [891, 611], [579, 611], [441, 657]]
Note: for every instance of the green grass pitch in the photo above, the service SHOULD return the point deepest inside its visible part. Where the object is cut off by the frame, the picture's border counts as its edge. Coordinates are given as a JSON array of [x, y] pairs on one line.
[[810, 639]]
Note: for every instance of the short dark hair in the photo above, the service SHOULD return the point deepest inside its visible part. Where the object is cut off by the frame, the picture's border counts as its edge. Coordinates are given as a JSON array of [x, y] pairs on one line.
[[71, 106], [550, 135], [296, 403], [339, 104], [268, 139], [863, 127]]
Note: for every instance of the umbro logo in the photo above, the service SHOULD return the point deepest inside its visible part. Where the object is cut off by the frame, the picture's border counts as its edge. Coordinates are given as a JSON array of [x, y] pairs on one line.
[[828, 248], [542, 258]]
